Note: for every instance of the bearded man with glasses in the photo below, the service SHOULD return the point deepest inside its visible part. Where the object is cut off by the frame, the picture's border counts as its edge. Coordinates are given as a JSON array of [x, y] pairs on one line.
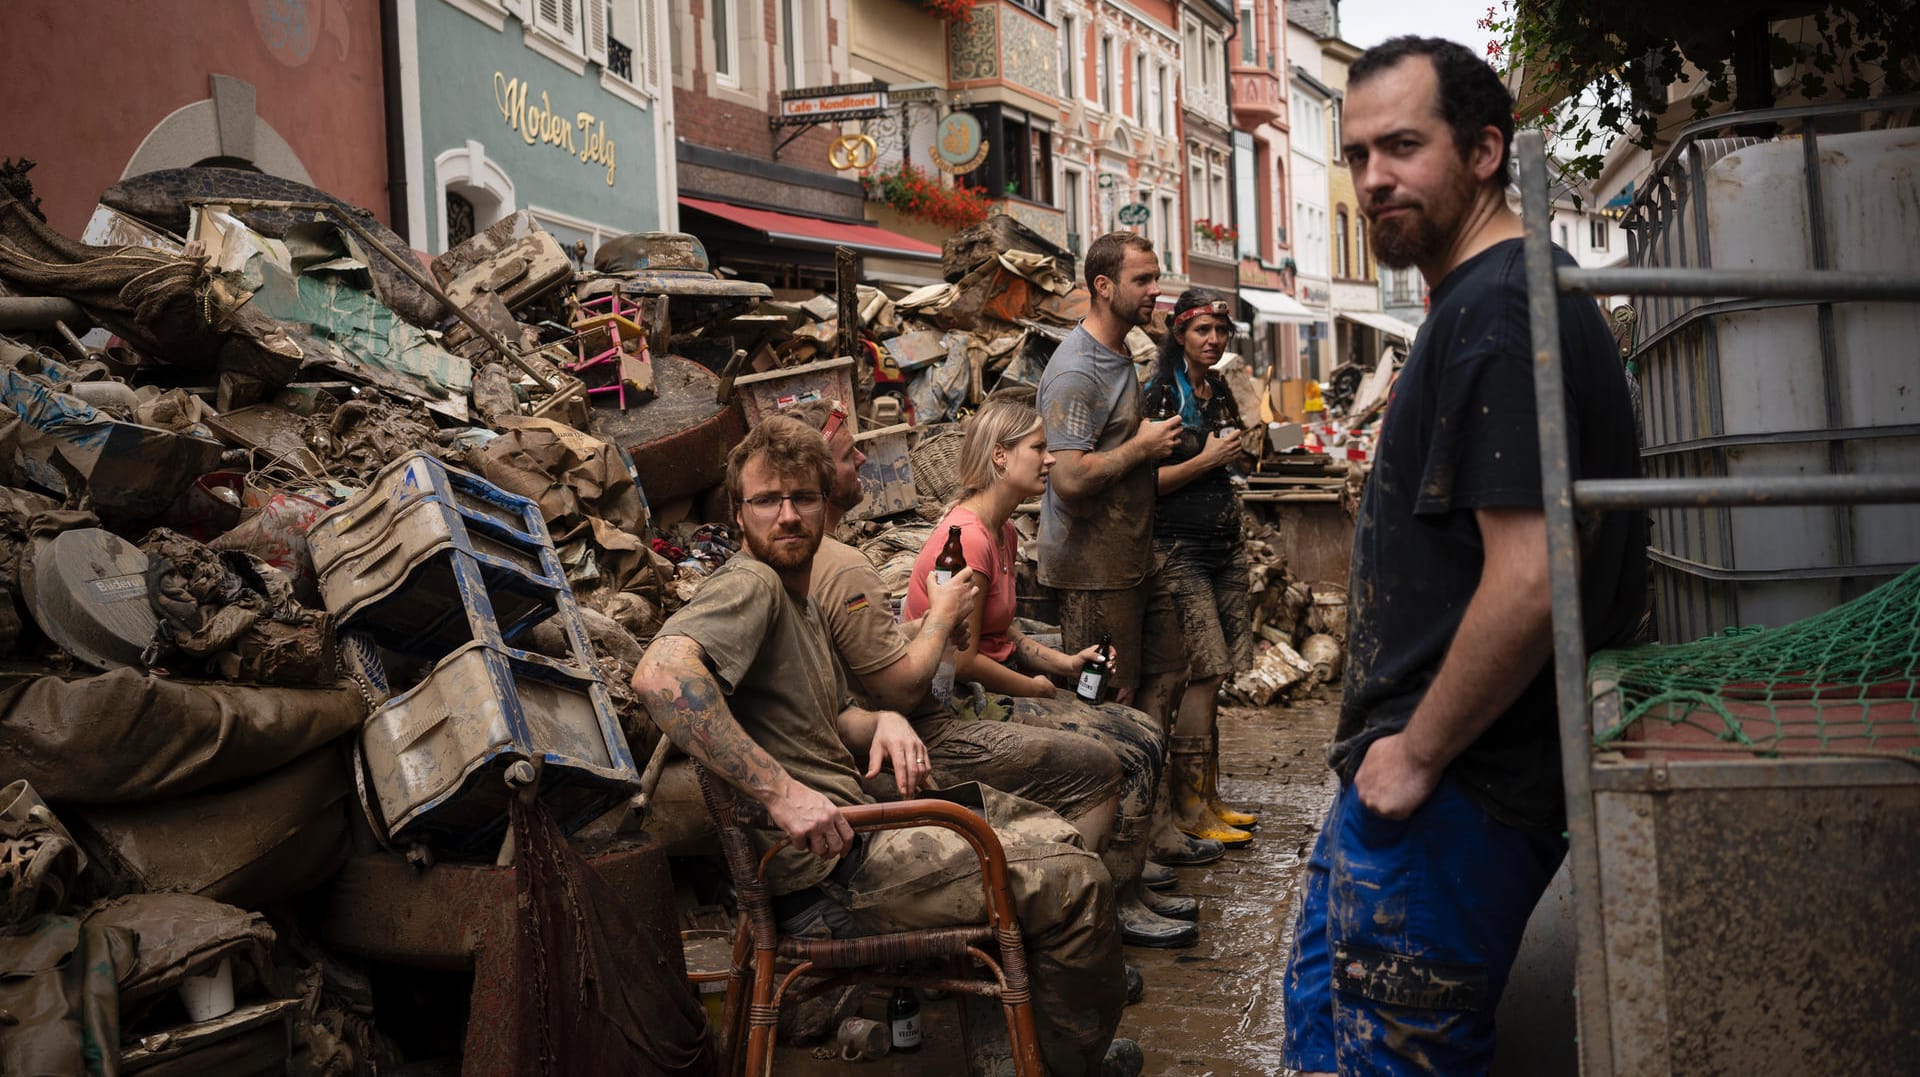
[[743, 679]]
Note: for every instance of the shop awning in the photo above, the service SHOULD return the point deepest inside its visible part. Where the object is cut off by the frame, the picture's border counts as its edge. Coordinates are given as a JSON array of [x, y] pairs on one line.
[[790, 228], [1270, 306], [1386, 323]]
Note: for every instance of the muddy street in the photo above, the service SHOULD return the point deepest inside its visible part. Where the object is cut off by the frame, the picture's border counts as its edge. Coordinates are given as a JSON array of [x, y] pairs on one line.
[[1214, 1009]]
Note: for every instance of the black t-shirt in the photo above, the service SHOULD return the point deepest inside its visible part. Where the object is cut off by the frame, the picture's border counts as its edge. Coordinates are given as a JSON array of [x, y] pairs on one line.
[[1204, 515], [1460, 435]]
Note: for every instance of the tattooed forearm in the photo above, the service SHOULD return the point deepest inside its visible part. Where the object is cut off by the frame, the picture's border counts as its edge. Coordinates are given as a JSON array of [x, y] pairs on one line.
[[1029, 655], [685, 701]]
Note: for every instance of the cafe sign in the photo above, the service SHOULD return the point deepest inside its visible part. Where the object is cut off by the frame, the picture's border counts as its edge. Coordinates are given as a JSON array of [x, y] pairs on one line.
[[538, 121], [825, 104]]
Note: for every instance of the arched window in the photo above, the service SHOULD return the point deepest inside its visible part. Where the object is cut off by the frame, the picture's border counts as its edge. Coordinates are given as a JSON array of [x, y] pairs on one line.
[[1362, 257], [1340, 243]]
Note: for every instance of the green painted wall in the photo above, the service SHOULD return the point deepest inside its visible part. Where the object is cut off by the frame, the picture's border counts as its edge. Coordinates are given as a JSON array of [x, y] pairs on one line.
[[460, 99]]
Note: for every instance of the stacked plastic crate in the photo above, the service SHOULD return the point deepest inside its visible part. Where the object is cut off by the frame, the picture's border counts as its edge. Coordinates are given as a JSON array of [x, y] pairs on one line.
[[436, 567]]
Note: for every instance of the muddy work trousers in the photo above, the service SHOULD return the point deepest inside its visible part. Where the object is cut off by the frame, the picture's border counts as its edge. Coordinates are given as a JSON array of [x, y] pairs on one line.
[[928, 877], [1406, 933], [1057, 769]]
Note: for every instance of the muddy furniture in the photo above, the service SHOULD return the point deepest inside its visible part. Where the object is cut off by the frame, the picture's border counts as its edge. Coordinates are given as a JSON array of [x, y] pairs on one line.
[[777, 962], [462, 917], [1740, 907]]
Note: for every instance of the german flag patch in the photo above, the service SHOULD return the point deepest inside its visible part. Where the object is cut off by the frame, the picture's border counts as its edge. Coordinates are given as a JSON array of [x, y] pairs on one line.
[[855, 604]]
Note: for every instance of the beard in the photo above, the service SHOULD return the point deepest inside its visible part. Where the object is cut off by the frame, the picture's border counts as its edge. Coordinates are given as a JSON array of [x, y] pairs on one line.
[[783, 558], [1424, 230], [847, 499]]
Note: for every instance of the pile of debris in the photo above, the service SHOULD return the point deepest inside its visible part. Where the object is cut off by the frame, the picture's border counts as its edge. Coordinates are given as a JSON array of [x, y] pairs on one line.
[[1300, 629], [315, 555]]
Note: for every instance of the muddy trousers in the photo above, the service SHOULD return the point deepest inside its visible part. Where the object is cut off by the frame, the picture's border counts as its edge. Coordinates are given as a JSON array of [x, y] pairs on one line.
[[1141, 748], [928, 877], [1406, 932]]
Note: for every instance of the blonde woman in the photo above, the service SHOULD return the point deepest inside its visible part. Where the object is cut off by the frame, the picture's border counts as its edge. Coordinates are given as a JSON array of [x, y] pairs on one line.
[[1004, 461]]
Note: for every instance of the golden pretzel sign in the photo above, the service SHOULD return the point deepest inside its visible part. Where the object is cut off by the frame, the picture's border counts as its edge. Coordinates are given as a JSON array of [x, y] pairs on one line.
[[851, 151]]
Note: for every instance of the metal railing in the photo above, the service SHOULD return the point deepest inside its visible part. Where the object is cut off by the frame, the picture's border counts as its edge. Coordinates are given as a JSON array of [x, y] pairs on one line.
[[1563, 499]]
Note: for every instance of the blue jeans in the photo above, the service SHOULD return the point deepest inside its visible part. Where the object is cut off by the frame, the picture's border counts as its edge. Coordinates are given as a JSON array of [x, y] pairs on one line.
[[1406, 933]]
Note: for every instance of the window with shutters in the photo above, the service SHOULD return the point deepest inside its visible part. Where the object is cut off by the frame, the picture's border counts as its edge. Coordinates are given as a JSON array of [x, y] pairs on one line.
[[631, 31], [559, 20]]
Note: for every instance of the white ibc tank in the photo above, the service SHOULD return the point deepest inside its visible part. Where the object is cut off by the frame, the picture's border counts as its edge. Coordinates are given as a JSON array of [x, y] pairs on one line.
[[1772, 379]]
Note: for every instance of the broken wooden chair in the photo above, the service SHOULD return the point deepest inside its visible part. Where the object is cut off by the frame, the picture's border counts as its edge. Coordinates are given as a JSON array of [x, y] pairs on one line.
[[767, 965]]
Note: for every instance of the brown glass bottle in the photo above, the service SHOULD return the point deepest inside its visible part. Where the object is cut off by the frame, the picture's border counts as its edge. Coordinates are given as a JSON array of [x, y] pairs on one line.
[[953, 558]]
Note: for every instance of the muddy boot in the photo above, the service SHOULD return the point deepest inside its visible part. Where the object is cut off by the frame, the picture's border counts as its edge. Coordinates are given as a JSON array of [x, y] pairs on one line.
[[1169, 845], [1158, 876], [1179, 849], [1171, 906], [1141, 926], [1229, 816], [1190, 811]]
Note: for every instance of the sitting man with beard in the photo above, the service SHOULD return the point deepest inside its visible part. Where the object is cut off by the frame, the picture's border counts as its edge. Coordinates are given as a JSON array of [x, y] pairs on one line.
[[743, 679]]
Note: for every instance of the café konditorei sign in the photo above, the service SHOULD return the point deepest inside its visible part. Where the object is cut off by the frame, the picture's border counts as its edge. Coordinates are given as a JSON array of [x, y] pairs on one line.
[[824, 104], [540, 122]]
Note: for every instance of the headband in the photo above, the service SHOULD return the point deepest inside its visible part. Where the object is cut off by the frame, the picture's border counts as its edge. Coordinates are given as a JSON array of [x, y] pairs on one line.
[[1217, 306]]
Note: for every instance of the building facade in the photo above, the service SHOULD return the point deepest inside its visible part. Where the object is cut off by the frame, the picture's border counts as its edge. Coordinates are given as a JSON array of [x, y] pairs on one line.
[[556, 107], [1263, 180], [292, 88], [1212, 235], [1312, 99], [768, 116]]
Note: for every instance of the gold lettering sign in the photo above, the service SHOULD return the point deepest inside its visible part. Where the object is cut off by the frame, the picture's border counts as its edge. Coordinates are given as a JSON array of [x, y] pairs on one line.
[[539, 122]]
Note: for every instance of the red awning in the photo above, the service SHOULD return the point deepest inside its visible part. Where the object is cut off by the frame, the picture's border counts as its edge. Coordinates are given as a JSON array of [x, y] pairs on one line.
[[812, 232]]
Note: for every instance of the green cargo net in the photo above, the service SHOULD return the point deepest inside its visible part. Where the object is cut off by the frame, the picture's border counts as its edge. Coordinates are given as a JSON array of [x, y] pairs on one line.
[[1844, 683]]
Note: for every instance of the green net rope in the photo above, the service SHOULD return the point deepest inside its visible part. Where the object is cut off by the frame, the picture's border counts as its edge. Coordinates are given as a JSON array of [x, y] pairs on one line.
[[1846, 682]]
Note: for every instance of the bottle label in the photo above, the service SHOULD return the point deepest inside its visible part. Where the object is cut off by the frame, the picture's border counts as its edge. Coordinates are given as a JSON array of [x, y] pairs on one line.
[[1091, 681], [906, 1032], [941, 576]]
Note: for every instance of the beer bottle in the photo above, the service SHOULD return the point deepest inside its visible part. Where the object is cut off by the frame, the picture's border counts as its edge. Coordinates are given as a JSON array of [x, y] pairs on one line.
[[903, 1017], [1163, 400], [953, 558], [1093, 675]]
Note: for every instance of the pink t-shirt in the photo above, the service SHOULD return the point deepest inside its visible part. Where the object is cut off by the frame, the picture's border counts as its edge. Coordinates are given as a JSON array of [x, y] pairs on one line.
[[992, 569]]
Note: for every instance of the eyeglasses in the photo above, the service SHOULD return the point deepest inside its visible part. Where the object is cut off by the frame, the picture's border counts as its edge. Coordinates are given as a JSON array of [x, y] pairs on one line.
[[767, 506]]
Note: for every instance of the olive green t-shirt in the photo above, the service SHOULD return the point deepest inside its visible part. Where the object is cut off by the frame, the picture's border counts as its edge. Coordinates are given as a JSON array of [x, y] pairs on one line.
[[772, 657], [858, 612]]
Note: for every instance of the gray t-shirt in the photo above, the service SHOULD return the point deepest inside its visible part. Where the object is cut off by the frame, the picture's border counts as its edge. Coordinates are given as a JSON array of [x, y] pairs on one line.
[[1090, 401]]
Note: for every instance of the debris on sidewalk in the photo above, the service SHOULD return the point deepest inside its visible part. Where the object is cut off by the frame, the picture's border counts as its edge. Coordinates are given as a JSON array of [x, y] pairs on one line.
[[326, 559]]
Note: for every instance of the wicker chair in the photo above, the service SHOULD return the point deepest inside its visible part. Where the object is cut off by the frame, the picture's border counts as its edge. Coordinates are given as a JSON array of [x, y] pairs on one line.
[[776, 962]]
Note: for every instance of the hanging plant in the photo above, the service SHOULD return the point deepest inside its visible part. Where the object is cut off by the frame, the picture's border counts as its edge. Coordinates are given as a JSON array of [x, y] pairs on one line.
[[956, 12], [924, 197]]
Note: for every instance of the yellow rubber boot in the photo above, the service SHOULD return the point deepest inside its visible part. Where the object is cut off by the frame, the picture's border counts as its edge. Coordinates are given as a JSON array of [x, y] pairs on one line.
[[1191, 815], [1226, 815]]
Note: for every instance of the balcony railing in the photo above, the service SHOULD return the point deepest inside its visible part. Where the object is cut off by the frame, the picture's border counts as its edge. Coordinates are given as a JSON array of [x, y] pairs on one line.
[[619, 58]]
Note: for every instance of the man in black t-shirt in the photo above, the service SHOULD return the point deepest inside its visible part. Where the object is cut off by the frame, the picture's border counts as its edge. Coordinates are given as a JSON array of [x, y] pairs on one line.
[[1449, 821]]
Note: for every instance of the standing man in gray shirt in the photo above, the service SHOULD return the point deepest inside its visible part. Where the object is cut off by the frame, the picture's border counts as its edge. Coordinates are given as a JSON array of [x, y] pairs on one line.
[[1096, 520]]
